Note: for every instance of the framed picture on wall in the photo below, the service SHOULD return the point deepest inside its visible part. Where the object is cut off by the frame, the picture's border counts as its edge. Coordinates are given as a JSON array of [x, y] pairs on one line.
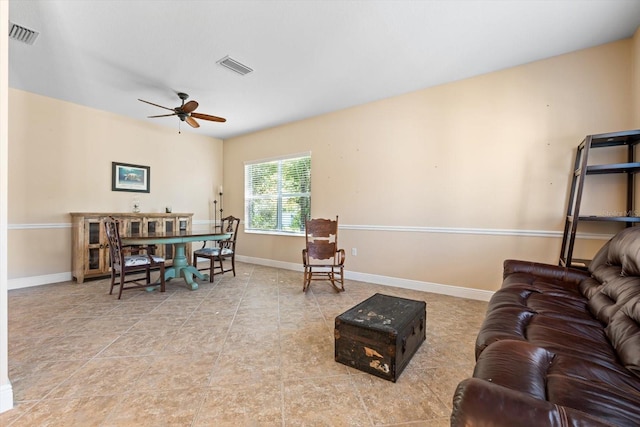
[[128, 177]]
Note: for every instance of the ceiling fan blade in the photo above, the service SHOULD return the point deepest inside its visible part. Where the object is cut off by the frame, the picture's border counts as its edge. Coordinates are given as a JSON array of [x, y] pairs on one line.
[[190, 106], [162, 115], [170, 109], [192, 122], [208, 117]]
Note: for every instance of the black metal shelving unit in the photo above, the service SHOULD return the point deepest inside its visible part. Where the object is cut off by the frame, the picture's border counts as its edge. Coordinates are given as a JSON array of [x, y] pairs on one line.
[[581, 170]]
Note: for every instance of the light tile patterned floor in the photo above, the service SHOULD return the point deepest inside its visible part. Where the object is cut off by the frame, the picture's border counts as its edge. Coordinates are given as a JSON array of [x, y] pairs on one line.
[[253, 350]]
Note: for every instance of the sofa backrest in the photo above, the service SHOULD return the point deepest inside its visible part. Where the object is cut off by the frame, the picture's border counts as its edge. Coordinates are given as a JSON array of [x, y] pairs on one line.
[[601, 257], [622, 250]]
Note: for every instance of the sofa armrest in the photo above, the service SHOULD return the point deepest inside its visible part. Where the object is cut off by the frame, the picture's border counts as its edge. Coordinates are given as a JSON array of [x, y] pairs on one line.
[[479, 403], [548, 271]]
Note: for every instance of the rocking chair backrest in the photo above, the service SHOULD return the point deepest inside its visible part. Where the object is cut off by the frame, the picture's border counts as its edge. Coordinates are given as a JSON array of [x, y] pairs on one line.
[[322, 238]]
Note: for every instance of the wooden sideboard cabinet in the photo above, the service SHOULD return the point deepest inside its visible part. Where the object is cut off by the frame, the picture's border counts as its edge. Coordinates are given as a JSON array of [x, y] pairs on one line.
[[90, 247]]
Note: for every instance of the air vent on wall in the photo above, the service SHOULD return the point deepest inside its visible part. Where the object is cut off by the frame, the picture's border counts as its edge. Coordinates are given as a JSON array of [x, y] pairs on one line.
[[234, 65], [22, 34]]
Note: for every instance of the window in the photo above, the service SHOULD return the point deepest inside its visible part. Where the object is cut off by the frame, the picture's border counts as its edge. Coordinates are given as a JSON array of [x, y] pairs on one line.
[[277, 194]]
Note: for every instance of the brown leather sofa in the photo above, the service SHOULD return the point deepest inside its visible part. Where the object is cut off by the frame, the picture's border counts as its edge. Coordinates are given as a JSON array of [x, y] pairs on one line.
[[558, 346]]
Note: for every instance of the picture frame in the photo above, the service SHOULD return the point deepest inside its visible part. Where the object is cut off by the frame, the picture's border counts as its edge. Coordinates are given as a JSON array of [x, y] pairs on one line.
[[128, 177]]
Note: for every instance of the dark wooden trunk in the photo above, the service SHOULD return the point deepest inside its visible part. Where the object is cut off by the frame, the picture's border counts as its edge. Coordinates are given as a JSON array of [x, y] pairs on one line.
[[380, 335]]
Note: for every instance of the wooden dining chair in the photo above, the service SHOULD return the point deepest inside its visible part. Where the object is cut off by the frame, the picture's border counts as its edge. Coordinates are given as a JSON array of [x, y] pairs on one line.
[[322, 258], [222, 249], [131, 261]]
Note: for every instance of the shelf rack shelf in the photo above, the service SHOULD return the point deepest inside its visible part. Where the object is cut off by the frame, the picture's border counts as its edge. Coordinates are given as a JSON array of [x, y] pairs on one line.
[[581, 170]]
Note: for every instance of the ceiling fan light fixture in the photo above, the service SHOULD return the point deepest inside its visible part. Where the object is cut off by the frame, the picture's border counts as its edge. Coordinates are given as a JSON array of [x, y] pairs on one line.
[[22, 34], [234, 65]]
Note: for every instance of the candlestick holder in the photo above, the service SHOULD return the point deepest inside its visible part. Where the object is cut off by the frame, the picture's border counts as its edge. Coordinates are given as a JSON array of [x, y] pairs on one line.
[[221, 211]]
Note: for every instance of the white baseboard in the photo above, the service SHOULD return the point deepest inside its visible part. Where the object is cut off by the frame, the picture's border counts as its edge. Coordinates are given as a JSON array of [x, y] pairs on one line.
[[416, 285], [6, 397], [26, 282], [436, 288]]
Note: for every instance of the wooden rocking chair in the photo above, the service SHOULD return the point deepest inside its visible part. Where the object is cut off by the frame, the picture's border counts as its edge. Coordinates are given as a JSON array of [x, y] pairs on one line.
[[322, 258]]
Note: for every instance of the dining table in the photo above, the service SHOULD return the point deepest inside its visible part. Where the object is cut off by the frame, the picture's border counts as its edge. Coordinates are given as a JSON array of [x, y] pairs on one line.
[[179, 239]]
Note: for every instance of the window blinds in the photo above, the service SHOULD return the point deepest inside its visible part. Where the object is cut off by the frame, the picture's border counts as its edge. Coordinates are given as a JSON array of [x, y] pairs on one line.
[[278, 194]]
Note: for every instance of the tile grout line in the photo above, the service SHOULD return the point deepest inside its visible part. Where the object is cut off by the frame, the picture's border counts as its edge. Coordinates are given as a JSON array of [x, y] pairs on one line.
[[282, 399], [238, 303], [197, 412]]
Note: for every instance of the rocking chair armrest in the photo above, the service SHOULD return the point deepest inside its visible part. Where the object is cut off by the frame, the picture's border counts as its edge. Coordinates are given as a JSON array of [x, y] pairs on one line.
[[342, 256]]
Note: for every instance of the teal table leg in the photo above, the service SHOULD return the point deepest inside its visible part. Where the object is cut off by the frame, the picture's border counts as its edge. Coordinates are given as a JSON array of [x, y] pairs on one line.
[[188, 272], [169, 273], [188, 278], [183, 269]]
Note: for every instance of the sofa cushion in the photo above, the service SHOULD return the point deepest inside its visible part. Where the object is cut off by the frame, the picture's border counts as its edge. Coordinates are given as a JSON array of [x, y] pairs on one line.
[[580, 335], [624, 333], [607, 392], [610, 372], [575, 339], [539, 297], [607, 273], [612, 296], [589, 287], [517, 365], [602, 400], [527, 306]]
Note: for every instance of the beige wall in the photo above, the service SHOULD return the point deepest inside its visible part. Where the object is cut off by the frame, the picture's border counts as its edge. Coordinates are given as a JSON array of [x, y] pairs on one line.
[[438, 185], [636, 79], [61, 156], [427, 183]]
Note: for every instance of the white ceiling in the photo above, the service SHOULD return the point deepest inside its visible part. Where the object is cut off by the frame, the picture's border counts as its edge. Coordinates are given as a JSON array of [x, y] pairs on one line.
[[309, 57]]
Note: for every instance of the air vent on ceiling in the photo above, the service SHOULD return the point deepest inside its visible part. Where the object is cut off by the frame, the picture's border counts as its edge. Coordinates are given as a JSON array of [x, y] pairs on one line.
[[234, 65], [22, 34]]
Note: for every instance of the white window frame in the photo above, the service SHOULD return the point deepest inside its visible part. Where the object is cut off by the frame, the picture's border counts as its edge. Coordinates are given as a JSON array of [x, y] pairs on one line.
[[248, 196]]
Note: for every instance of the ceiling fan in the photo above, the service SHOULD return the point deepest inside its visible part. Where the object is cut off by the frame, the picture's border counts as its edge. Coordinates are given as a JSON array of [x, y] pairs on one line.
[[186, 112]]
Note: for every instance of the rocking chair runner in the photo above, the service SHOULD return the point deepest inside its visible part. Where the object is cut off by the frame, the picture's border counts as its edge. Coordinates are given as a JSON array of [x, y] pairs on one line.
[[321, 258], [127, 260]]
